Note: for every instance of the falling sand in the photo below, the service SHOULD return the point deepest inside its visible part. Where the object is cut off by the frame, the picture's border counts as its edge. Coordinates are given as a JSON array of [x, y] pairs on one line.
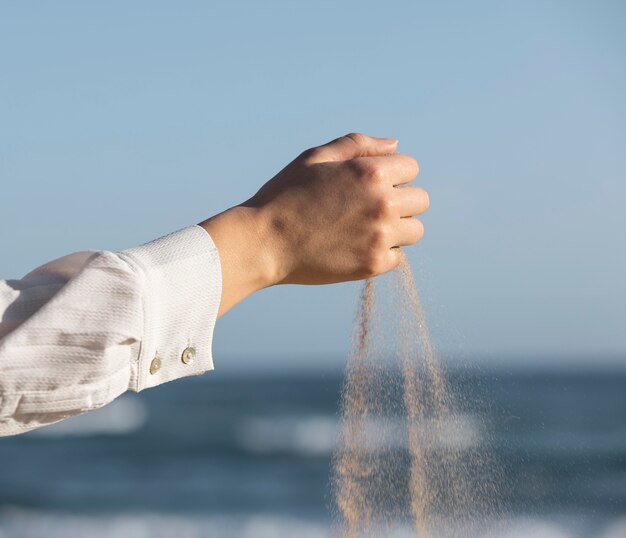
[[409, 462]]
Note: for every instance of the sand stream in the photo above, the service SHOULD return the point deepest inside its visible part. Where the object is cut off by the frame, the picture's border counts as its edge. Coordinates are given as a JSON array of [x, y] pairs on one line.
[[409, 462]]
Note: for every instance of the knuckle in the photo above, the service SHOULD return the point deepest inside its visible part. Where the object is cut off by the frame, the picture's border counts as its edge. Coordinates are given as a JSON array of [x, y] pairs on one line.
[[376, 173], [357, 138], [379, 238], [373, 265], [368, 170], [309, 155], [361, 167], [375, 258], [383, 207]]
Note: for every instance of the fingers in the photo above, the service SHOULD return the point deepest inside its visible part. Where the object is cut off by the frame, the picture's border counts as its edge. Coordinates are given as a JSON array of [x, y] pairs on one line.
[[408, 231], [395, 169], [350, 146], [410, 201], [395, 257]]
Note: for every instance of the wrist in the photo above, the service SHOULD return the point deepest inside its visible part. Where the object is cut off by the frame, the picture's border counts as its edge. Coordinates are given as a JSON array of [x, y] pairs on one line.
[[249, 252]]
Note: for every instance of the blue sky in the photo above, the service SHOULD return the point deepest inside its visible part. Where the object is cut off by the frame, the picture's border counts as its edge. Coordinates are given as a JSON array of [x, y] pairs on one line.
[[123, 121]]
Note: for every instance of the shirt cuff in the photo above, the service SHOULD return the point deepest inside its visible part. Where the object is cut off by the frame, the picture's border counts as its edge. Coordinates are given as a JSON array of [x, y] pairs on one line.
[[182, 289]]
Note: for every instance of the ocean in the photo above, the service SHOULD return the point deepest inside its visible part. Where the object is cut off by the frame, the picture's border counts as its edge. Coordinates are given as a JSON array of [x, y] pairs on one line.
[[230, 456]]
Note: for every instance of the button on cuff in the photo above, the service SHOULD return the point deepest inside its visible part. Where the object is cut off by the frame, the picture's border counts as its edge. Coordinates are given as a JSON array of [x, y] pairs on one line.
[[188, 355], [182, 286], [155, 365]]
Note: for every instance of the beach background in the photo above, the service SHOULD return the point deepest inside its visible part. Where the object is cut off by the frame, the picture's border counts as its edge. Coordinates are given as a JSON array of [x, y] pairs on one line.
[[249, 456], [122, 122]]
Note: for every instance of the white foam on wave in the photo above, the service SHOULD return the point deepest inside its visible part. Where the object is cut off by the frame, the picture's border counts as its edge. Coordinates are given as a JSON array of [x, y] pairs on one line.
[[316, 435], [17, 523], [313, 435], [22, 523], [617, 529], [122, 416], [531, 528]]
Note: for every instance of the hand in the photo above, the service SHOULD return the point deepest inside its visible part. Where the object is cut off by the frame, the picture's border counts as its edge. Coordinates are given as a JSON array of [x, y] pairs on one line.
[[337, 212]]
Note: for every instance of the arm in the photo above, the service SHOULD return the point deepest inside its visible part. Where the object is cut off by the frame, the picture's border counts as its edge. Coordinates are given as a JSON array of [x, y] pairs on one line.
[[79, 331], [331, 215]]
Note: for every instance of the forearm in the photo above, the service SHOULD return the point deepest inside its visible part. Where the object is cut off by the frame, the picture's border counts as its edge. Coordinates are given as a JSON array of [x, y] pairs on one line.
[[246, 245]]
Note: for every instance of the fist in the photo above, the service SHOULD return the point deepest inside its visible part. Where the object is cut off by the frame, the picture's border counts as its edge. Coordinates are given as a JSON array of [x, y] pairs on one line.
[[340, 211]]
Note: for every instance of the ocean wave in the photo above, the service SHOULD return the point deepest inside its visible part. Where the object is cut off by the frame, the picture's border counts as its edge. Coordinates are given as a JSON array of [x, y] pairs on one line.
[[317, 435], [122, 416], [18, 523], [21, 523], [312, 435]]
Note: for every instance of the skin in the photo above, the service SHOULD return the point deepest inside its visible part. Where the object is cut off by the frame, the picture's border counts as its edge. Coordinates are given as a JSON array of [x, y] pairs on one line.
[[337, 212]]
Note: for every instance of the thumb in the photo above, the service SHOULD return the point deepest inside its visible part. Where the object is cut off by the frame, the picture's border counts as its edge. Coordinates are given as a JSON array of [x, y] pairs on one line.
[[351, 146]]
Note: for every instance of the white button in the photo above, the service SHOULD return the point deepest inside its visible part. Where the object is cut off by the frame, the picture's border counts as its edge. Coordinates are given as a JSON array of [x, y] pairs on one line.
[[189, 354], [155, 365]]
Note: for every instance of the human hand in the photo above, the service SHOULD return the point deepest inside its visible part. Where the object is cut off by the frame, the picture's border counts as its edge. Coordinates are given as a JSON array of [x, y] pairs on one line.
[[337, 212]]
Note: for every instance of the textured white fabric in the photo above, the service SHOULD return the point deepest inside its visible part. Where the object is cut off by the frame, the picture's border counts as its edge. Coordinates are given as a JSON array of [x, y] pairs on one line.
[[79, 331]]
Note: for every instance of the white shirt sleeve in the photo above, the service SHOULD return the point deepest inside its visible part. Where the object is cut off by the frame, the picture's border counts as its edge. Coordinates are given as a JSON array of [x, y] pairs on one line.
[[79, 331]]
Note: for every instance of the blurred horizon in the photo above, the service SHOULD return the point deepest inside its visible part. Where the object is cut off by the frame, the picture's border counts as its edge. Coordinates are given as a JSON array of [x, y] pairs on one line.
[[235, 456], [243, 366], [123, 122]]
